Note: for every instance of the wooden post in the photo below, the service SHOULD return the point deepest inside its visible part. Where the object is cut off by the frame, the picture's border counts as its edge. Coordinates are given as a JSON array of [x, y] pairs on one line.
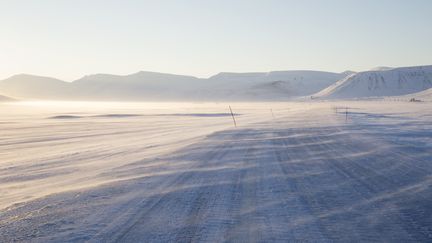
[[346, 114], [232, 114], [272, 113]]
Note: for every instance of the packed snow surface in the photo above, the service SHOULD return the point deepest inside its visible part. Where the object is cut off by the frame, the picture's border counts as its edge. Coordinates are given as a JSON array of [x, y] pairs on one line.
[[345, 171]]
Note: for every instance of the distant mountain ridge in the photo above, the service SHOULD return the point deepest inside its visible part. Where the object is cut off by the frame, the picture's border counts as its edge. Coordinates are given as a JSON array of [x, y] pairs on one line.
[[38, 87], [389, 82], [277, 85], [225, 86]]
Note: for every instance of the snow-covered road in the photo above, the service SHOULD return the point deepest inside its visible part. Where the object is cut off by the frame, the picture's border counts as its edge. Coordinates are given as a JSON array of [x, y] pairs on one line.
[[307, 174]]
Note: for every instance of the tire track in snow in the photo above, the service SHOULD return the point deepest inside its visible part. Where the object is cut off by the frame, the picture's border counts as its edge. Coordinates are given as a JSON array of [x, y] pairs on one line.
[[370, 183], [194, 208], [278, 183]]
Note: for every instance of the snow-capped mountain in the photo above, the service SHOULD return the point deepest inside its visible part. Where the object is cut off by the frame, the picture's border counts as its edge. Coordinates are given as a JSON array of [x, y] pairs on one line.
[[34, 87], [393, 82], [279, 85], [276, 85], [137, 86], [308, 81]]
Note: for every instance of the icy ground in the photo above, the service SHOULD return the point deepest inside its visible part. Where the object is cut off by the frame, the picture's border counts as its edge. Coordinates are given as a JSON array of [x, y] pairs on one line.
[[156, 172]]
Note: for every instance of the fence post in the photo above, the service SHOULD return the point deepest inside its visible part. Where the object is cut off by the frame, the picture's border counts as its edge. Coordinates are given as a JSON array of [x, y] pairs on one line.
[[232, 114], [346, 114]]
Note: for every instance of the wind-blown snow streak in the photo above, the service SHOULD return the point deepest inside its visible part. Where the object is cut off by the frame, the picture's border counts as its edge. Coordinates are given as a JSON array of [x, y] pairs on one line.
[[306, 175]]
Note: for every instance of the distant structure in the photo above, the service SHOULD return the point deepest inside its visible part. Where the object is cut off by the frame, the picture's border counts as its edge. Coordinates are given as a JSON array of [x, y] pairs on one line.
[[414, 100]]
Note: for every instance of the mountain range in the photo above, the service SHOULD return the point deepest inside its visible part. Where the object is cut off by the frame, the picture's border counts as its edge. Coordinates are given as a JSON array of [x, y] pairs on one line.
[[279, 85], [225, 86]]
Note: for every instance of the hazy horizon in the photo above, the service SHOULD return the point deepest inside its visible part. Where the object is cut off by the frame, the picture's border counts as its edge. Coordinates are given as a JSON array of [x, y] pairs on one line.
[[68, 40]]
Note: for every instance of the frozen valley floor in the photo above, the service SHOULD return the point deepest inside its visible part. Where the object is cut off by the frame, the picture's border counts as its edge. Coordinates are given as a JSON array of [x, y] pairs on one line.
[[307, 174]]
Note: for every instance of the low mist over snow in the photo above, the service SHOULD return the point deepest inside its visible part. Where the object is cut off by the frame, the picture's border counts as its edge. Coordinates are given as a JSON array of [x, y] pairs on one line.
[[5, 98], [181, 172], [393, 82]]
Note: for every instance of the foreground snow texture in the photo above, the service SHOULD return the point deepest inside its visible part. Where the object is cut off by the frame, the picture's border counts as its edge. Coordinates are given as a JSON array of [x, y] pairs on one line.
[[181, 174]]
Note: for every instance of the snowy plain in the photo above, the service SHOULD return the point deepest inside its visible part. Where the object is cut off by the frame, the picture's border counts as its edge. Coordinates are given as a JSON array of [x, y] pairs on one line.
[[164, 172]]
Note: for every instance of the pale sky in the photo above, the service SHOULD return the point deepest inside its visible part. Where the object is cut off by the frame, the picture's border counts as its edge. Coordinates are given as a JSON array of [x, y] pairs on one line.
[[67, 39]]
